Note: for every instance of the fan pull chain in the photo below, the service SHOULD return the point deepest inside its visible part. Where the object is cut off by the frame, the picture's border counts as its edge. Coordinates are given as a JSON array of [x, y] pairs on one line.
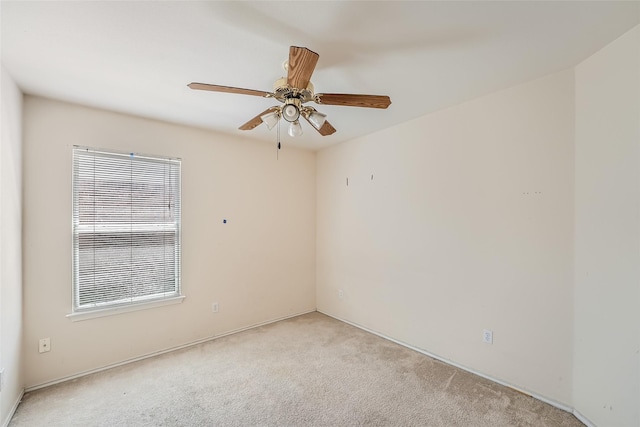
[[278, 150]]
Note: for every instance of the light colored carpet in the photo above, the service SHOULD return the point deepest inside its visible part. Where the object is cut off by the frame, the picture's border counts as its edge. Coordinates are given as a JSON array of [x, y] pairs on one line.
[[311, 370]]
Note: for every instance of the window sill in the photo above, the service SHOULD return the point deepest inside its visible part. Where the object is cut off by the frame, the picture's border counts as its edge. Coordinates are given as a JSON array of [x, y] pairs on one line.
[[112, 311]]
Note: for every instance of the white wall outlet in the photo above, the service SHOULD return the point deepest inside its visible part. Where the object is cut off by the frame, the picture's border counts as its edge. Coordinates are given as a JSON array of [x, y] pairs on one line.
[[214, 307], [44, 345], [1, 379], [340, 293], [487, 336]]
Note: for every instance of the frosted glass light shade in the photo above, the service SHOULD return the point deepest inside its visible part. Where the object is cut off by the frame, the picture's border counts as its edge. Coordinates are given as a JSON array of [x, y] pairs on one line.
[[290, 113], [317, 119], [270, 119], [295, 129]]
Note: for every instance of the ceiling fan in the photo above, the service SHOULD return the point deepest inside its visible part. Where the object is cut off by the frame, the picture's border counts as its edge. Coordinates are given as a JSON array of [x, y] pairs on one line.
[[293, 92]]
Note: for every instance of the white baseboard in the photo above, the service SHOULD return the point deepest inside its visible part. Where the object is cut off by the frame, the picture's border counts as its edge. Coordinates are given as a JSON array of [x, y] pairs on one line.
[[13, 410], [464, 368], [157, 353], [584, 420]]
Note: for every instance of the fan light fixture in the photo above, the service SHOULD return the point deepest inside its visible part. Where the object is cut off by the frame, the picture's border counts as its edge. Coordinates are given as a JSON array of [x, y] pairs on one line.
[[291, 113]]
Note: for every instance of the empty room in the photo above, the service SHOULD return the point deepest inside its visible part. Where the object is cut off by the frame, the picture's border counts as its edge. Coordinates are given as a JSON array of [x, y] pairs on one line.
[[320, 213]]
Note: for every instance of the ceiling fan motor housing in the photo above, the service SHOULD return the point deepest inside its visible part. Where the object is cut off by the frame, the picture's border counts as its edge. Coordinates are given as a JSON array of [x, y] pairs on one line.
[[282, 91]]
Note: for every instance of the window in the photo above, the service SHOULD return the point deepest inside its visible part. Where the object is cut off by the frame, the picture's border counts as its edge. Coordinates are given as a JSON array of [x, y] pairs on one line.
[[126, 229]]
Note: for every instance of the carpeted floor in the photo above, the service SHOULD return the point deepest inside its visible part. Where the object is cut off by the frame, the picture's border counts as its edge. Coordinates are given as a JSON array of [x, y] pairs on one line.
[[311, 370]]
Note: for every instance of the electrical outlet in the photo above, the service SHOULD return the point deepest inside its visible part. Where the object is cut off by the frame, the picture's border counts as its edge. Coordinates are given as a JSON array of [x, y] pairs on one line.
[[214, 307], [487, 336], [44, 345], [340, 293], [1, 379]]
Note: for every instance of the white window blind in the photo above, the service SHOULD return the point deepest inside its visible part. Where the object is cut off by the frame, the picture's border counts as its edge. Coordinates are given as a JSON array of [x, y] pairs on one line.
[[126, 229]]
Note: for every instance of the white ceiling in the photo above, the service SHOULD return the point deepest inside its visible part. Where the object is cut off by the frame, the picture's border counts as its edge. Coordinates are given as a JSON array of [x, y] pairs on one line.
[[138, 57]]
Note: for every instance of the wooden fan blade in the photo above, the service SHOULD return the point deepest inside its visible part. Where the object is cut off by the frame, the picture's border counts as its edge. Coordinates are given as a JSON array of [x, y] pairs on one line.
[[229, 89], [256, 121], [350, 100], [302, 62], [326, 128]]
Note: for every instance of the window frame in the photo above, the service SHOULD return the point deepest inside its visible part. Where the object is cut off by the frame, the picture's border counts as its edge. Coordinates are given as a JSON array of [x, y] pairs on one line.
[[132, 303]]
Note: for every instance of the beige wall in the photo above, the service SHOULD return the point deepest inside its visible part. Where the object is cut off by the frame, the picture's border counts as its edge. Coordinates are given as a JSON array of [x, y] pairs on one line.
[[607, 258], [466, 225], [10, 245], [260, 266]]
